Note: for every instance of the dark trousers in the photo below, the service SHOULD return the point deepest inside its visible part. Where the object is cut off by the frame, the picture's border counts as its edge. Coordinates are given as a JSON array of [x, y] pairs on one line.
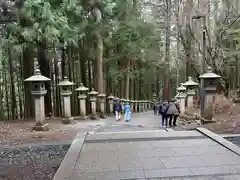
[[174, 118], [165, 119]]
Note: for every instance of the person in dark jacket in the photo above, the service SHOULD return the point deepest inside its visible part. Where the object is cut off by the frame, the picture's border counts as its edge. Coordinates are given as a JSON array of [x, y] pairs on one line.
[[117, 110], [163, 108]]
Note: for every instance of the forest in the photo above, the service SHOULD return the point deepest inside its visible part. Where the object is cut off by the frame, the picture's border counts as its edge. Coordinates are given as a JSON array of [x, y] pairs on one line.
[[127, 48]]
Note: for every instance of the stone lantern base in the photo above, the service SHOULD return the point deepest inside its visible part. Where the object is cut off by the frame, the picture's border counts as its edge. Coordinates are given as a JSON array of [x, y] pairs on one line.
[[103, 116], [67, 120], [81, 117], [41, 127], [93, 117], [236, 100]]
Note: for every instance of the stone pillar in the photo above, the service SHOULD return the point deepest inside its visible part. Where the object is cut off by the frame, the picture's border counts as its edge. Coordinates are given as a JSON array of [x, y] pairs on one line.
[[101, 98], [138, 106], [135, 106], [154, 97], [122, 102], [110, 102], [82, 103], [66, 93], [190, 94], [39, 109], [82, 90], [145, 105], [39, 91], [131, 104], [190, 86], [182, 98], [93, 101]]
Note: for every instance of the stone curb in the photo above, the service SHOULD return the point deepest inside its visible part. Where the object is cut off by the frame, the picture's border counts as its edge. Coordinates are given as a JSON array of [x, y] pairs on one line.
[[65, 170], [217, 138], [229, 135], [143, 139]]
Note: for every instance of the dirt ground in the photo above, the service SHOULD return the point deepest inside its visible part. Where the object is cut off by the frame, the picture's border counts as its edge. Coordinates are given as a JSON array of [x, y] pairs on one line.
[[20, 132]]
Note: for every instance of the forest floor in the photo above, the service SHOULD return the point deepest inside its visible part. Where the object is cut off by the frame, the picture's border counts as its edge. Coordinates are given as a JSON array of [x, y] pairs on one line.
[[20, 132]]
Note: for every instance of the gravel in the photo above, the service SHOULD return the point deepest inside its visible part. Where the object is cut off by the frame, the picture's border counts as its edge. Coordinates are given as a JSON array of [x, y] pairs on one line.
[[32, 162], [235, 140]]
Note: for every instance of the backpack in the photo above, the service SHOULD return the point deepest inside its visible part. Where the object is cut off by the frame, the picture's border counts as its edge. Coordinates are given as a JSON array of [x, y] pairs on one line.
[[164, 108]]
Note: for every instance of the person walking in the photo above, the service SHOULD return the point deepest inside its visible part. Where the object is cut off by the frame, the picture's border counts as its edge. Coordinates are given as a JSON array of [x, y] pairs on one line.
[[155, 108], [177, 113], [127, 112], [163, 108], [117, 110], [172, 113]]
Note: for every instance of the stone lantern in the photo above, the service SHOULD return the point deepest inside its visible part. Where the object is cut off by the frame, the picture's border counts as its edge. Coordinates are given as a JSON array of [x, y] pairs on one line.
[[110, 102], [82, 95], [191, 91], [102, 98], [147, 104], [39, 91], [131, 104], [237, 96], [135, 106], [138, 106], [210, 81], [93, 100], [182, 97], [122, 101], [66, 91], [154, 97], [144, 105]]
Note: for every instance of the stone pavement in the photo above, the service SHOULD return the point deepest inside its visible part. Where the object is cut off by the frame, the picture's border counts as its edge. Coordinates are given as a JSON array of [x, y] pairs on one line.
[[185, 155]]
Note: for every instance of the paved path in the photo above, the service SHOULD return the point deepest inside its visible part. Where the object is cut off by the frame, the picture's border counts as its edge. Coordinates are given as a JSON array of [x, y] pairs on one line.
[[175, 155]]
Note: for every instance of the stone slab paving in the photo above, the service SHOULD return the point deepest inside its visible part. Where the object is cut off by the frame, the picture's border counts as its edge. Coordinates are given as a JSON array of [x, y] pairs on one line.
[[186, 159]]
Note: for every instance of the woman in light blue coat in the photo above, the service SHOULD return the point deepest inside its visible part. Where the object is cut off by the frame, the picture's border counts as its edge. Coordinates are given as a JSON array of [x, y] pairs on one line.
[[127, 112]]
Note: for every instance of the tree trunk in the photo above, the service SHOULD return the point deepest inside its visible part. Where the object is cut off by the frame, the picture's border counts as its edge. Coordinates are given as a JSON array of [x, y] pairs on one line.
[[166, 89], [6, 95], [28, 71], [45, 69], [13, 93], [127, 78]]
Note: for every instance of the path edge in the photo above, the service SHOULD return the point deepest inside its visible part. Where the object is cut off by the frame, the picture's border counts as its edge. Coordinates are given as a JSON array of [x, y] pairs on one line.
[[219, 139], [66, 167]]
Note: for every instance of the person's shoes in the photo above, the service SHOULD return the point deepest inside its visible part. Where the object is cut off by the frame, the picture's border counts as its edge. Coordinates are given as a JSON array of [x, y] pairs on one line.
[[163, 126]]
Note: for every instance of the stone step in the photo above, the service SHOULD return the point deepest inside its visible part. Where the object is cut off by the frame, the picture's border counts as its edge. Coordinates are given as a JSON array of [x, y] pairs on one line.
[[144, 135]]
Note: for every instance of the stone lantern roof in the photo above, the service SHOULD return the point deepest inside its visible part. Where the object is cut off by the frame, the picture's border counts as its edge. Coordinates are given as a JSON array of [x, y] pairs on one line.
[[110, 96], [82, 88], [101, 95], [116, 99], [190, 82], [65, 82], [181, 88], [209, 74], [93, 92], [37, 77]]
